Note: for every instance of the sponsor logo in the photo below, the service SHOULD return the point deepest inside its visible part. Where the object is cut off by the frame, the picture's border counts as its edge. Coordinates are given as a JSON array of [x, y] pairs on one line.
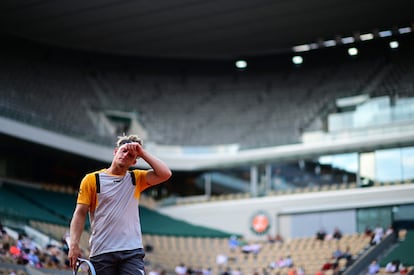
[[260, 223]]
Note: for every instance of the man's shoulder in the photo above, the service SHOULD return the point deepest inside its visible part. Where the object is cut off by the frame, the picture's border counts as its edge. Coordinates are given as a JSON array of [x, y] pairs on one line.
[[90, 178], [139, 174], [94, 172]]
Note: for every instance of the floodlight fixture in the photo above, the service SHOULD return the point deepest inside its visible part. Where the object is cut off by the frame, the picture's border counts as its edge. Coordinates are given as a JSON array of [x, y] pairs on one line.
[[301, 48], [385, 33], [329, 43], [313, 46], [297, 60], [241, 64], [347, 40], [394, 44], [352, 51], [404, 30], [366, 36]]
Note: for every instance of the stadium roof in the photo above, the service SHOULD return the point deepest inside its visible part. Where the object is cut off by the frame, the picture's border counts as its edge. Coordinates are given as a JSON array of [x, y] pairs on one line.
[[220, 29]]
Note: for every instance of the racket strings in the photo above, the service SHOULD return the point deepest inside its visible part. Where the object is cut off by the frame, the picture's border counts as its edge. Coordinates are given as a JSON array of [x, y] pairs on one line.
[[84, 266]]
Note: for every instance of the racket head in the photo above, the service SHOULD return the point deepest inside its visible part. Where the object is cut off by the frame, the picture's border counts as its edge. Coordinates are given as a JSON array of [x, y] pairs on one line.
[[84, 267]]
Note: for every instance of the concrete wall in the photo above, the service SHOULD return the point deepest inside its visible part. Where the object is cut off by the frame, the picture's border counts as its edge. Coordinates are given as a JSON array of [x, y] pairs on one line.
[[288, 212]]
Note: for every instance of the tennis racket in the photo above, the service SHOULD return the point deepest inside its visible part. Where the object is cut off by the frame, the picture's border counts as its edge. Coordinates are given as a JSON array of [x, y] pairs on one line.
[[84, 266]]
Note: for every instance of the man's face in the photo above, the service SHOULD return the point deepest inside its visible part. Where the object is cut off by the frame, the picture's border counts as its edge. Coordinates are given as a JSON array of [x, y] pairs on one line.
[[126, 155]]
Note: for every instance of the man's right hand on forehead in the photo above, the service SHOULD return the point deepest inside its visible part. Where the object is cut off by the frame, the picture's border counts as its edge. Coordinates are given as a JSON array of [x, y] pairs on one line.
[[133, 147]]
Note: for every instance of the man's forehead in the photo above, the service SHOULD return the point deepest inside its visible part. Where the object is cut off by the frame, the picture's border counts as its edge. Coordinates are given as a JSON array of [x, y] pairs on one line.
[[126, 141]]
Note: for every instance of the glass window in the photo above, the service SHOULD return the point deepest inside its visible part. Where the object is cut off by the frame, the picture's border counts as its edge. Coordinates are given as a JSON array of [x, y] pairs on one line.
[[388, 165], [407, 163], [347, 162], [344, 167], [404, 212], [367, 165], [371, 217]]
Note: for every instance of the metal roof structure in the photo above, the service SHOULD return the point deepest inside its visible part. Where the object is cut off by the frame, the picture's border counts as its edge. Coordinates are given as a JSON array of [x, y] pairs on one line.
[[196, 29]]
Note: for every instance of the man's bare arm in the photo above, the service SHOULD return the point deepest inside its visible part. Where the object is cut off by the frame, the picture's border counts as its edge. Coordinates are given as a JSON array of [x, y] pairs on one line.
[[160, 171], [76, 228]]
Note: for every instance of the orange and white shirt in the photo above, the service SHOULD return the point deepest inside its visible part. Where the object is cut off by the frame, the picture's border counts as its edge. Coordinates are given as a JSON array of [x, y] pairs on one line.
[[113, 210]]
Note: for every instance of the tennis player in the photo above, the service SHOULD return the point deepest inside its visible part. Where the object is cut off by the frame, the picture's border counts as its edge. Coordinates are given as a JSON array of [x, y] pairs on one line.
[[111, 196]]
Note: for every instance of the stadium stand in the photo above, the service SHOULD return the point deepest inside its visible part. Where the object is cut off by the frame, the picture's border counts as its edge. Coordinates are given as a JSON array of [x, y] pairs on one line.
[[195, 246], [278, 104], [18, 207], [201, 252]]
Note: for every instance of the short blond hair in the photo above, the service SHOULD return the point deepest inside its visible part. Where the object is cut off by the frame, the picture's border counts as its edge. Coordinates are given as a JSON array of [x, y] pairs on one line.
[[128, 139]]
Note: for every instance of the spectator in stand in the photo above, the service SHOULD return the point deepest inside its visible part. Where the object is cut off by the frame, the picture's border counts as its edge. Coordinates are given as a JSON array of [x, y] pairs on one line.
[[321, 234], [373, 268], [300, 271], [233, 243], [6, 242], [33, 258], [320, 272], [227, 271], [329, 264], [15, 251], [337, 234], [180, 269], [207, 271], [378, 235], [280, 263], [336, 271], [288, 261], [368, 231], [390, 230], [292, 271], [154, 271], [221, 260], [403, 269], [337, 254], [270, 239], [251, 248], [23, 243], [198, 271], [347, 255], [65, 242], [4, 248], [391, 267], [278, 238], [236, 271]]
